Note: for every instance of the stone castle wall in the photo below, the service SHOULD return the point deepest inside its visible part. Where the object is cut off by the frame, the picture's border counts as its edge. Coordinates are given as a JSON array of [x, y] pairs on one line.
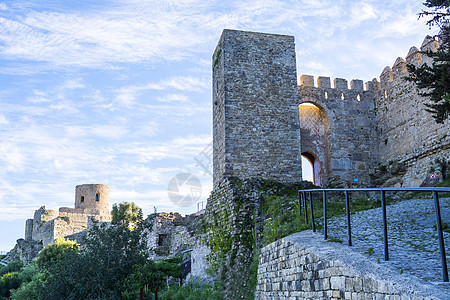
[[255, 107], [261, 131], [408, 134], [347, 149], [231, 250], [304, 266]]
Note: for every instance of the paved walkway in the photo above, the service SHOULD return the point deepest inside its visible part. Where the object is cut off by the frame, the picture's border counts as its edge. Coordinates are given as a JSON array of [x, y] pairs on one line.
[[413, 241]]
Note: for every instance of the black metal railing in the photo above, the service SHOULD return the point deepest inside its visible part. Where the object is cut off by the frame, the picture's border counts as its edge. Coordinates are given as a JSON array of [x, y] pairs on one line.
[[302, 198]]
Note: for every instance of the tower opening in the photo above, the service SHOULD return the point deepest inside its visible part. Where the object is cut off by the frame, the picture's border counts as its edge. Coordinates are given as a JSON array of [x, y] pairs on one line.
[[311, 168], [315, 143]]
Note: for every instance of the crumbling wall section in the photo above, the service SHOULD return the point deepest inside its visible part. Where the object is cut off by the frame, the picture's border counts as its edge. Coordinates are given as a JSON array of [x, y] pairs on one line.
[[230, 217]]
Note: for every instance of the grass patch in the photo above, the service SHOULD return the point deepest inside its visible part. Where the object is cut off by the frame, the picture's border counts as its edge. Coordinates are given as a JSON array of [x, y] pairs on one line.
[[334, 240], [193, 290], [445, 183], [282, 213]]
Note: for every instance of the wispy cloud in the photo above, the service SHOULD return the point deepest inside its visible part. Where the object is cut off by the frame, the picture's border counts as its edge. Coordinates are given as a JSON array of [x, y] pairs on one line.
[[127, 95]]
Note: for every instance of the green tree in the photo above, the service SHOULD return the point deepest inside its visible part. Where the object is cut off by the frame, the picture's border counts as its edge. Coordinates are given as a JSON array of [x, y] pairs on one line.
[[52, 253], [127, 213], [31, 278], [434, 79], [9, 278], [150, 276], [108, 256], [8, 281]]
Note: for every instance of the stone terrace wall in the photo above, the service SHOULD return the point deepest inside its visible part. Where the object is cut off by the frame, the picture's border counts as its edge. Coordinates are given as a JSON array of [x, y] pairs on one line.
[[407, 133], [304, 266], [255, 107], [351, 143]]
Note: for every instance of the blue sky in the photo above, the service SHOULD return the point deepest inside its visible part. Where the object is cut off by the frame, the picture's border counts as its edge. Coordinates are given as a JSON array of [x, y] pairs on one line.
[[119, 92]]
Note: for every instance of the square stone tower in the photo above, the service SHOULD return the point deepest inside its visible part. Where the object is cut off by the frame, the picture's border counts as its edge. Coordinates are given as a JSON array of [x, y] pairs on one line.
[[255, 107]]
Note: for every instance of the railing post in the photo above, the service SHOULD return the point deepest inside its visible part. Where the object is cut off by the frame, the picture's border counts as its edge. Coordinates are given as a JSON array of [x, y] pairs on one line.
[[300, 203], [347, 207], [437, 211], [312, 212], [306, 208], [385, 237], [325, 229]]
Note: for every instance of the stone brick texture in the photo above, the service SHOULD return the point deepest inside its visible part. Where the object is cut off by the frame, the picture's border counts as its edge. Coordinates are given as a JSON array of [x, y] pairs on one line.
[[255, 107], [260, 130], [304, 266]]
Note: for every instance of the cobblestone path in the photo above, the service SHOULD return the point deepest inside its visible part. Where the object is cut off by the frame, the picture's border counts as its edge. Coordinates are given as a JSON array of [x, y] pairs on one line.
[[412, 236]]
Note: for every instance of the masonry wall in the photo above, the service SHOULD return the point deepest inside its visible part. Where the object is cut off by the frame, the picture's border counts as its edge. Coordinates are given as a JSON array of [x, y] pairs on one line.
[[304, 266], [347, 148], [93, 198], [255, 107], [230, 236], [407, 133]]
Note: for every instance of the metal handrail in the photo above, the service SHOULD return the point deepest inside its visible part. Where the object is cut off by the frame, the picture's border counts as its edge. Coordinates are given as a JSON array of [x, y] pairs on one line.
[[435, 191]]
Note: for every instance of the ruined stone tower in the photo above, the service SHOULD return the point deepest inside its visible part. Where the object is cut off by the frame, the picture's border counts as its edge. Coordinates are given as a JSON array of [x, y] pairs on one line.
[[93, 198], [91, 203], [255, 107]]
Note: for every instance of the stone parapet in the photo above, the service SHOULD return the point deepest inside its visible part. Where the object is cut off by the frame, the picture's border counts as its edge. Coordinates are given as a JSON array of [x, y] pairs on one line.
[[304, 266]]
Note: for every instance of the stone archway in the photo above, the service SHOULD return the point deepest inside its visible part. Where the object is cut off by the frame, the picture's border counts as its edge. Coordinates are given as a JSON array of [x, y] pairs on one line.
[[315, 167], [315, 140]]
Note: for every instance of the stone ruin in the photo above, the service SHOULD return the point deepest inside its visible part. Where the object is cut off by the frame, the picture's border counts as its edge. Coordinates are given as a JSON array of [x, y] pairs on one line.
[[91, 204]]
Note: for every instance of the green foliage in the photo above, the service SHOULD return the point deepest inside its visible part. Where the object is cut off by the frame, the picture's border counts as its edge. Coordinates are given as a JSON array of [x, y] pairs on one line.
[[108, 257], [282, 218], [334, 240], [53, 253], [127, 213], [216, 60], [193, 290], [369, 251], [13, 266], [150, 276], [434, 79], [31, 279], [8, 281]]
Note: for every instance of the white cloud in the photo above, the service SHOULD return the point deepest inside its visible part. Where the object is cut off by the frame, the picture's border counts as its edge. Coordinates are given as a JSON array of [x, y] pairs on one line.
[[108, 131], [73, 84], [181, 147], [173, 98], [127, 95], [3, 120], [3, 6], [12, 157], [361, 12]]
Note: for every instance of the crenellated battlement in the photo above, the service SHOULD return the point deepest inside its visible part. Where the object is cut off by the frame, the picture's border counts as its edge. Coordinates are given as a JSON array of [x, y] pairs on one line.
[[340, 84], [391, 76], [347, 128]]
